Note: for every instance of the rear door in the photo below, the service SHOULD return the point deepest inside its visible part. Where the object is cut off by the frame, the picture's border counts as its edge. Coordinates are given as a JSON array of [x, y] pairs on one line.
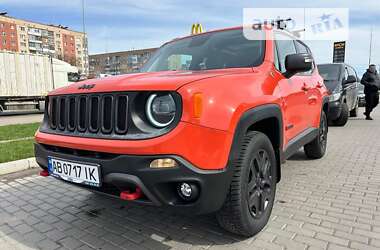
[[294, 97], [348, 89], [355, 86]]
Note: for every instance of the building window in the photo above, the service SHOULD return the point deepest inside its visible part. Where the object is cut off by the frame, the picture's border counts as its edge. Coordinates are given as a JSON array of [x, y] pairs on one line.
[[22, 28], [13, 43], [12, 27], [23, 44], [3, 33], [4, 42], [1, 25], [58, 35]]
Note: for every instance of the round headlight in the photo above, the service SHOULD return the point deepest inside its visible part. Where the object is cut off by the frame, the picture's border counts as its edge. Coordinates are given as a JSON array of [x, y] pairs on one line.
[[160, 109]]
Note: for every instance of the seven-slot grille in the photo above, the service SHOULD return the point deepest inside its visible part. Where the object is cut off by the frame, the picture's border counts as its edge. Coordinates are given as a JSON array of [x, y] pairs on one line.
[[94, 114]]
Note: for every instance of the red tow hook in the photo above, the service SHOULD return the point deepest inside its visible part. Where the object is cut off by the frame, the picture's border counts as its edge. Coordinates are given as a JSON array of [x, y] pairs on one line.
[[44, 173], [129, 196]]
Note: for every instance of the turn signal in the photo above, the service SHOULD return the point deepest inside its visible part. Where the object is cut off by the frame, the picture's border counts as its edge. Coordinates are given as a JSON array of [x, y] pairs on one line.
[[197, 102], [163, 163]]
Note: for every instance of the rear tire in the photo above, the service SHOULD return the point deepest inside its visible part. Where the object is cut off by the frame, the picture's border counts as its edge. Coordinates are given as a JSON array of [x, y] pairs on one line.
[[250, 199], [343, 118], [316, 149]]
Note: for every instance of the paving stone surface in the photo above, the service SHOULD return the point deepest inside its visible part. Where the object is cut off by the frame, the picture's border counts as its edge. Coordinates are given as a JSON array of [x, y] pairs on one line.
[[332, 203]]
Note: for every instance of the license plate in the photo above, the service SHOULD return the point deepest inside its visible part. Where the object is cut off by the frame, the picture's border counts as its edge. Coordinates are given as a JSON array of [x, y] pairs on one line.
[[81, 173]]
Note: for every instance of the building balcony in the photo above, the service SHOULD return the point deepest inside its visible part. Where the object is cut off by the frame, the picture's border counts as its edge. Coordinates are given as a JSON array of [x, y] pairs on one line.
[[34, 41], [34, 32]]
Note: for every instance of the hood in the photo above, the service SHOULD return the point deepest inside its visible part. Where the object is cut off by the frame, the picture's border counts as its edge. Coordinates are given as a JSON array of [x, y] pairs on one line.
[[159, 81]]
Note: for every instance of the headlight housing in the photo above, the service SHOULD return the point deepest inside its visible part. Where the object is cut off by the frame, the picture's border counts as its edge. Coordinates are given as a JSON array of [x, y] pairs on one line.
[[334, 97], [160, 109]]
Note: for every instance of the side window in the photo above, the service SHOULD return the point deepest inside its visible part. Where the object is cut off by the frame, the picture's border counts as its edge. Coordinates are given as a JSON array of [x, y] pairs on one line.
[[351, 71], [345, 74], [285, 46], [301, 48], [276, 62]]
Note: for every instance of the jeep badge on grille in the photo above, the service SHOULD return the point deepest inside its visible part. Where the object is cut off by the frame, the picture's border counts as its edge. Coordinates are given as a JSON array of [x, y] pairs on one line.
[[87, 86]]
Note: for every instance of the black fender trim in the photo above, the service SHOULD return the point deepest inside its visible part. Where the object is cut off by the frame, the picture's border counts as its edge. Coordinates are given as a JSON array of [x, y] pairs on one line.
[[299, 141], [251, 117]]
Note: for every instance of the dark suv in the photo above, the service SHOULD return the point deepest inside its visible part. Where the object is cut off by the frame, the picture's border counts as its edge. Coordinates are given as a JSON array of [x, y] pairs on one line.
[[342, 82]]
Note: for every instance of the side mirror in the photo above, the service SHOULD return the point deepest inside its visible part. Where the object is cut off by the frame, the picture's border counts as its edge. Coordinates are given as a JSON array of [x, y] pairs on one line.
[[350, 79], [297, 63]]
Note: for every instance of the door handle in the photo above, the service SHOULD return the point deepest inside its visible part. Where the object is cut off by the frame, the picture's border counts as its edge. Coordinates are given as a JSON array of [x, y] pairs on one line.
[[305, 87], [313, 99]]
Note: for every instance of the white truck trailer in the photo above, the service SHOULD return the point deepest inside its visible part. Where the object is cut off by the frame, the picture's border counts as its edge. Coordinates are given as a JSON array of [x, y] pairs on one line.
[[25, 79]]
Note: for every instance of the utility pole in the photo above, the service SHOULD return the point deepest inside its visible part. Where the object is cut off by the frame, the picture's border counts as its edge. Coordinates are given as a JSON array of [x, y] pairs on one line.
[[83, 19], [370, 47], [85, 60]]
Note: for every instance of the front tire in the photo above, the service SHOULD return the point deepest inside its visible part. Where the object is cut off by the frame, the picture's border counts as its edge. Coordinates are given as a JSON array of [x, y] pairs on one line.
[[249, 202], [316, 149], [343, 118]]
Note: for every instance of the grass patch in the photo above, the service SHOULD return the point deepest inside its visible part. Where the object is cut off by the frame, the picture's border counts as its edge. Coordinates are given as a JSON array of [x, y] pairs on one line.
[[11, 132], [17, 150]]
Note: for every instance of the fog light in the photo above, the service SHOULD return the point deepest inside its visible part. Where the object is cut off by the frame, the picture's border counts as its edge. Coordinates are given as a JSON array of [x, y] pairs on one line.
[[163, 163], [188, 191]]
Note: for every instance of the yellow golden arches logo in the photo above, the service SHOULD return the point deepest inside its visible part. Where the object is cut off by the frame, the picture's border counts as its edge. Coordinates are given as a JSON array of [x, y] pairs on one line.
[[196, 29]]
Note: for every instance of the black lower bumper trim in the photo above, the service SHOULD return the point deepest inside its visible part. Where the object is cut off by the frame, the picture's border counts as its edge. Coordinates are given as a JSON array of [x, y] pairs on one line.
[[159, 186]]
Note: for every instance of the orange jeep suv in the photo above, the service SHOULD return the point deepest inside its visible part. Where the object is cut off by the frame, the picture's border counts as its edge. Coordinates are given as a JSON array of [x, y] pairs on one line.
[[203, 128]]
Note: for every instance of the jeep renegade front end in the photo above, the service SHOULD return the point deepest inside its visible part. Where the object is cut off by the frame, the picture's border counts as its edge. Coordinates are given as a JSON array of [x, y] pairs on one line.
[[203, 128]]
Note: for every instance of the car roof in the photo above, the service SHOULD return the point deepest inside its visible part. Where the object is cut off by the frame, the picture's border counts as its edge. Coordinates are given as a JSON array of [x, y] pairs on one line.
[[225, 29]]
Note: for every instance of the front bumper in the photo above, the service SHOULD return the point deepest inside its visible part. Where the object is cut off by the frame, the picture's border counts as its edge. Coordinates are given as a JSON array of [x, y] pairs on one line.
[[159, 186], [335, 109]]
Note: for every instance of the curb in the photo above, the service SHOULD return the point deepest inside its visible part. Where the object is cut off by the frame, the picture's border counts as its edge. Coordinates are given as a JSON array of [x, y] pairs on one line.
[[16, 166]]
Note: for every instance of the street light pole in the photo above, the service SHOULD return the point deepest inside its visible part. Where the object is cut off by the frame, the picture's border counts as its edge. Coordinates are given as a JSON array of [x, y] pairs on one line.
[[83, 20], [370, 47]]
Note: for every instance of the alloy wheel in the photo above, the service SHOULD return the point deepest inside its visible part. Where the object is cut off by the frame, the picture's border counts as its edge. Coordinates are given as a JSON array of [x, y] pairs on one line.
[[259, 184]]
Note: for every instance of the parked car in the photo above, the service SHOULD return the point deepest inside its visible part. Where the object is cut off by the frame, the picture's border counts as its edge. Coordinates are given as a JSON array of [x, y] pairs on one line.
[[342, 82], [361, 95], [203, 128]]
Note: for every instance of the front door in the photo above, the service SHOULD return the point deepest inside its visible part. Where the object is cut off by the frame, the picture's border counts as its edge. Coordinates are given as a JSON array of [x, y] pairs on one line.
[[294, 92]]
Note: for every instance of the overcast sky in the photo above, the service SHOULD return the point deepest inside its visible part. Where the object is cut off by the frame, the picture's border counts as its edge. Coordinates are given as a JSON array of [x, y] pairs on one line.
[[114, 25]]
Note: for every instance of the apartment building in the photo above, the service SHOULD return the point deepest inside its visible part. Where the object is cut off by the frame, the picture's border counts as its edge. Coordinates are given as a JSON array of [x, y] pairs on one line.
[[57, 41], [117, 63]]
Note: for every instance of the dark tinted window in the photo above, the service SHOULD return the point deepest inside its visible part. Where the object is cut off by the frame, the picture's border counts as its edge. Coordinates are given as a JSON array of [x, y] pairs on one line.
[[215, 50], [285, 46]]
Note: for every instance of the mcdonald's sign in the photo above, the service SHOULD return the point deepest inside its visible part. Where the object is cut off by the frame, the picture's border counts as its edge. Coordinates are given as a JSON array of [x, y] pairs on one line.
[[196, 29]]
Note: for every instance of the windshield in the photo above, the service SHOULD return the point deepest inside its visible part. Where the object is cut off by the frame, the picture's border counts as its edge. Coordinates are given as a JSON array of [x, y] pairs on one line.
[[215, 50], [330, 74]]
